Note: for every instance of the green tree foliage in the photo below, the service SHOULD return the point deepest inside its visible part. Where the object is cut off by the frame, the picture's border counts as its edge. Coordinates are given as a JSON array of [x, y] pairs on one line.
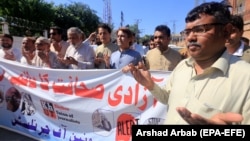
[[32, 10], [24, 15], [78, 15], [136, 30], [38, 15], [145, 38]]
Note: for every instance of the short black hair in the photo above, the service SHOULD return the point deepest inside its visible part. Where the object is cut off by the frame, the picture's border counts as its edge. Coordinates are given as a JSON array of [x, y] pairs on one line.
[[163, 28], [237, 21], [151, 38], [58, 29], [105, 26], [219, 10], [7, 36]]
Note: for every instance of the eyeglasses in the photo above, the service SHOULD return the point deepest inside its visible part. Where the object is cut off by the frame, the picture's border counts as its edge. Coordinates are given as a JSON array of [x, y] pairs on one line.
[[199, 29]]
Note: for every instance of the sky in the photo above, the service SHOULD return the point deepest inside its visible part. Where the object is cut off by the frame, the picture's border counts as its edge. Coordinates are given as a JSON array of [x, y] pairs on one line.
[[148, 13]]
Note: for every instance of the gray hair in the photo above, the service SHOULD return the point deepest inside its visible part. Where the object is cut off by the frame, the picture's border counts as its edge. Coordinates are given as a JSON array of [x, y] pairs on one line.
[[75, 30]]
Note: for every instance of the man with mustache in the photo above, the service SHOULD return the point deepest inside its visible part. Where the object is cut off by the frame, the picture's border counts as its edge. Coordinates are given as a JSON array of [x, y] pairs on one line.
[[211, 86], [57, 45], [28, 50], [8, 51], [78, 55], [44, 57]]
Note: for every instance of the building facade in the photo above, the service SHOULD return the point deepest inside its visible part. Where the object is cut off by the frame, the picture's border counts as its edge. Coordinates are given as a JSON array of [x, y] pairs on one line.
[[239, 7], [242, 7]]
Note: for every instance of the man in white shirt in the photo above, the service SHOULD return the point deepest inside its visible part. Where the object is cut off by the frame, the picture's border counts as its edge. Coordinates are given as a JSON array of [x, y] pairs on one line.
[[137, 47], [234, 44], [78, 55], [28, 50], [58, 45], [44, 57], [8, 51]]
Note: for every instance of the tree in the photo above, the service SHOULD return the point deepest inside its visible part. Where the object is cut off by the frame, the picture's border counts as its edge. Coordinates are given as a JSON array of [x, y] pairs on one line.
[[136, 30], [23, 15], [145, 38], [78, 15], [37, 15]]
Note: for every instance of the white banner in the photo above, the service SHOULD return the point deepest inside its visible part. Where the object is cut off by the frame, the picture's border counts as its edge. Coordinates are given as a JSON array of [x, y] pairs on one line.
[[75, 105]]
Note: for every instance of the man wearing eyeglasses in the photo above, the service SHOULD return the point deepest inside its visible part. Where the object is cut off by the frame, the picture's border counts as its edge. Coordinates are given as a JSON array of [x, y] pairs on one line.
[[211, 86], [58, 45]]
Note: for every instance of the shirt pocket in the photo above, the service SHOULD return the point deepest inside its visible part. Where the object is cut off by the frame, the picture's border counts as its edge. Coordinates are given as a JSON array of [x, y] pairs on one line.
[[206, 109]]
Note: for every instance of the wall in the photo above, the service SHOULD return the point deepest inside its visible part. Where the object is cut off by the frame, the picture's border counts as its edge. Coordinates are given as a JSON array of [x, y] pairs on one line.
[[17, 41], [245, 14]]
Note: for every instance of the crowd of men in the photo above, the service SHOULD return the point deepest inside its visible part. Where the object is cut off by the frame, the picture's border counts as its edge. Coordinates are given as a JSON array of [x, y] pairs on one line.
[[99, 52], [213, 71], [95, 52]]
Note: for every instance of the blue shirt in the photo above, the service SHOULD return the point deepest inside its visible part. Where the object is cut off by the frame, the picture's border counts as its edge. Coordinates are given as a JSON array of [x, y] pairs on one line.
[[120, 59]]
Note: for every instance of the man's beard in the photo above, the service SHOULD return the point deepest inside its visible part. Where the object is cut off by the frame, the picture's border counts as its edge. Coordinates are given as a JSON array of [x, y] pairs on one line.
[[26, 48], [76, 45], [6, 46]]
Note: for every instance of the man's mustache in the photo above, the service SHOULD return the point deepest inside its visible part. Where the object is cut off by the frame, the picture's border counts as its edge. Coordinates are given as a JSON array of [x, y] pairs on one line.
[[193, 44]]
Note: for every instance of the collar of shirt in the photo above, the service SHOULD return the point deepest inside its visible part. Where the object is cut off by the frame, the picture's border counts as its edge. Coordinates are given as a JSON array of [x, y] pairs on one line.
[[106, 45], [133, 46], [78, 46], [221, 63], [239, 51], [163, 52], [125, 50]]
